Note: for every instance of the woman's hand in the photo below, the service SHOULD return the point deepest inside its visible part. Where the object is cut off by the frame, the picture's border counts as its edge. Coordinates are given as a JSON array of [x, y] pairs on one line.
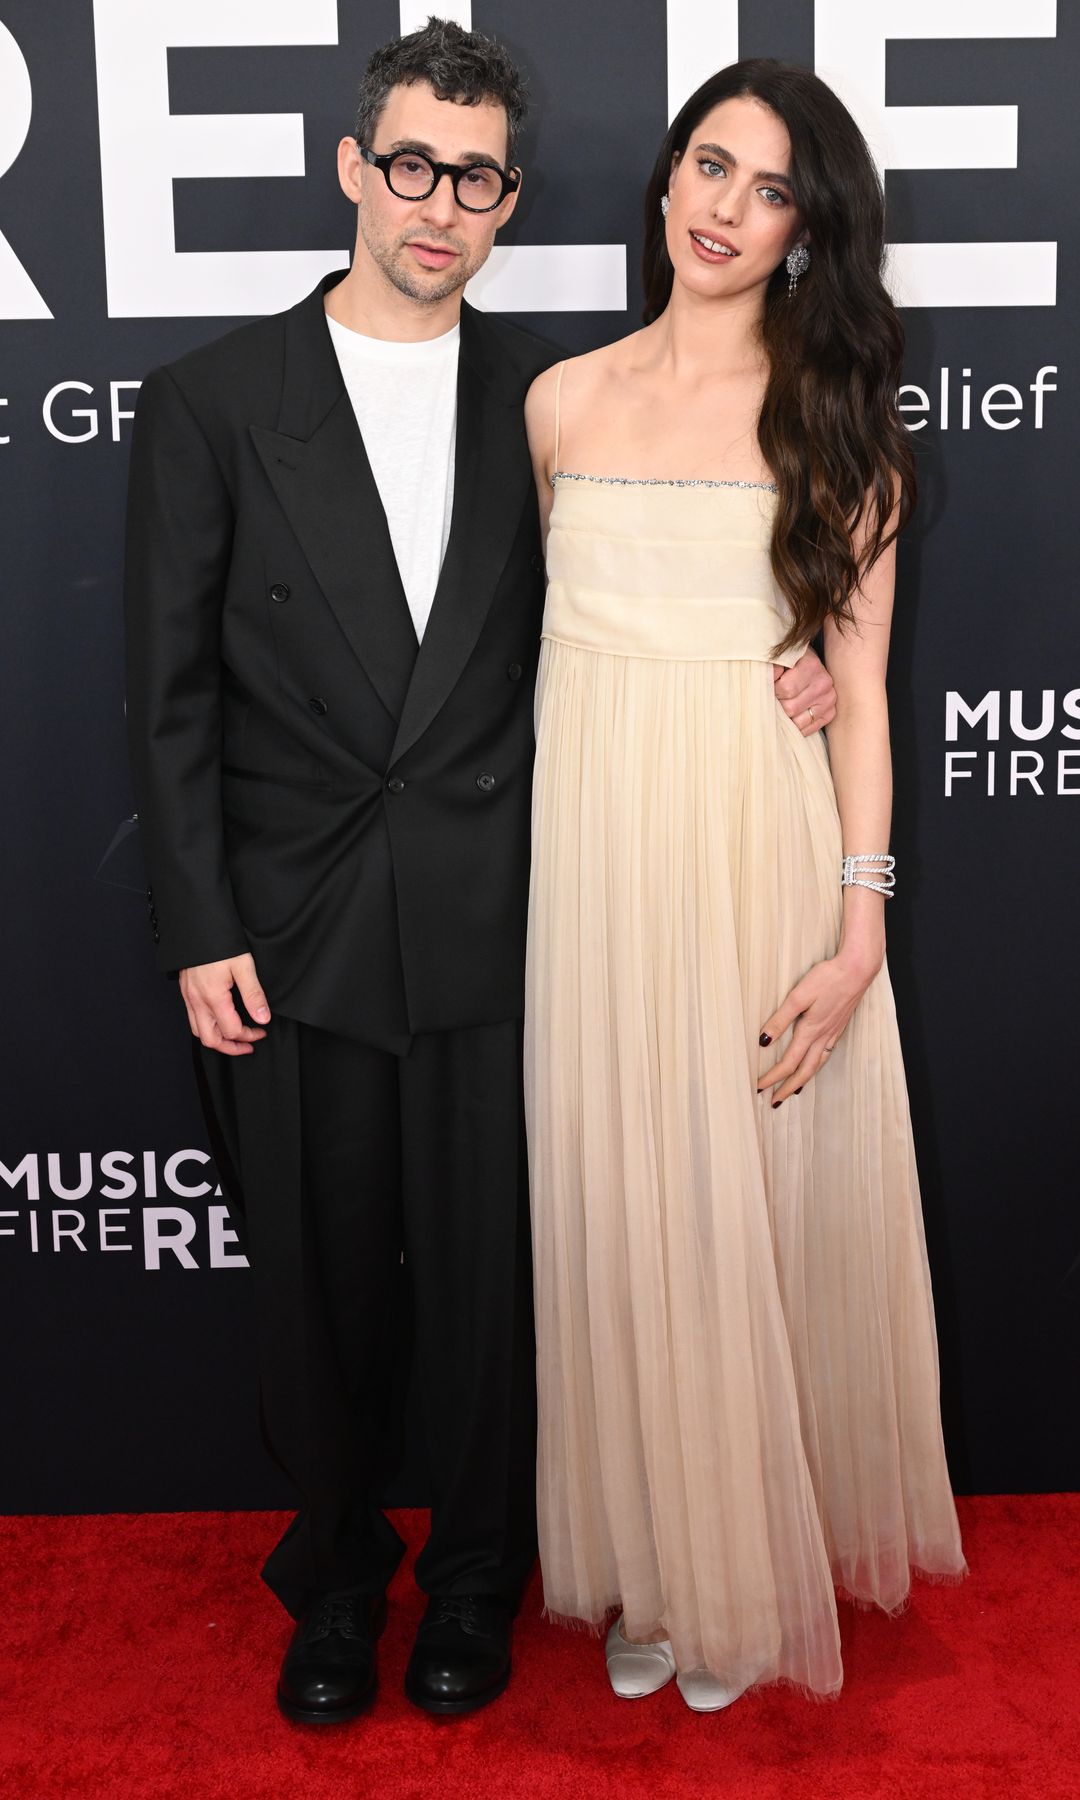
[[820, 1006]]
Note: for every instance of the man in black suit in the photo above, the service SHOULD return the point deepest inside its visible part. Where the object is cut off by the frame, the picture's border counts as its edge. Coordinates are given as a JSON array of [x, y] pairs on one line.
[[334, 592]]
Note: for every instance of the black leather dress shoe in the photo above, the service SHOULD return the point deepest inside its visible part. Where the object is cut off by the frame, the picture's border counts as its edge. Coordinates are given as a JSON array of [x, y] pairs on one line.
[[328, 1673], [461, 1658]]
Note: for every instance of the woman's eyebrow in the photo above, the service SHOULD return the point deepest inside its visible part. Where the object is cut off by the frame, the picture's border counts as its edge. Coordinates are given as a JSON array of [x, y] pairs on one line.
[[718, 151]]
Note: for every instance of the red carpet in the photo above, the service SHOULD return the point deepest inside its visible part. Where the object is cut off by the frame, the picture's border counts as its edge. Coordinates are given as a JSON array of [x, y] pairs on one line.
[[140, 1653]]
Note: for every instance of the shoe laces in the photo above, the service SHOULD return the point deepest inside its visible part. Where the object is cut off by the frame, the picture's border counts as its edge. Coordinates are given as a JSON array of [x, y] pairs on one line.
[[462, 1609], [334, 1618]]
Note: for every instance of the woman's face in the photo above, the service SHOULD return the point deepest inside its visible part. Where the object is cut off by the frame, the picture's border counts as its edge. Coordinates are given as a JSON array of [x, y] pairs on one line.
[[732, 217]]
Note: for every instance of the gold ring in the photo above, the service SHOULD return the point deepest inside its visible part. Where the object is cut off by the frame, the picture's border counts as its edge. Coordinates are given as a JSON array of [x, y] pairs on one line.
[[810, 710]]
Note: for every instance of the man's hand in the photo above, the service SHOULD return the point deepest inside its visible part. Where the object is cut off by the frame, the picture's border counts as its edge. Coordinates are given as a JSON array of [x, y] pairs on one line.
[[214, 1020], [806, 693]]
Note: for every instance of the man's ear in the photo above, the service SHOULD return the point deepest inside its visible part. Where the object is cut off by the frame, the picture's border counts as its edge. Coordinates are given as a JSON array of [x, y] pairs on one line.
[[349, 167], [504, 210]]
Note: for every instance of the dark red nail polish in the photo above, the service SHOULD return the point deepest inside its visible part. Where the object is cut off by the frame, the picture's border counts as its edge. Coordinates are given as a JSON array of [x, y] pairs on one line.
[[776, 1103], [764, 1039], [798, 1090]]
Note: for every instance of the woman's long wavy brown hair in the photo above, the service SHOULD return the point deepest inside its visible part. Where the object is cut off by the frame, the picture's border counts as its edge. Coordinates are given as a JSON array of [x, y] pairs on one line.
[[829, 427]]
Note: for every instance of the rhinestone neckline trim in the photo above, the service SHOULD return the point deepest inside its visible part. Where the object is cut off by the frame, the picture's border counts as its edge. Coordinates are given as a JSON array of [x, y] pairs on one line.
[[656, 481]]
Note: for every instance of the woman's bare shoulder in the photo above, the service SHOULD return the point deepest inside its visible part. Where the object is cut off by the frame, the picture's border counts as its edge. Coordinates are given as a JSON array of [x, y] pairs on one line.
[[542, 392], [581, 373]]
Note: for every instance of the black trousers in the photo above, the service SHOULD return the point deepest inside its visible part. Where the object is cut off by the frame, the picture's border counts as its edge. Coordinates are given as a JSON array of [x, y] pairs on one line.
[[339, 1160]]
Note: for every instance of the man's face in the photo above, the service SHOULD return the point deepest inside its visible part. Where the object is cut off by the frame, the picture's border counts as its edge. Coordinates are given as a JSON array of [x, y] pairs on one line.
[[428, 249]]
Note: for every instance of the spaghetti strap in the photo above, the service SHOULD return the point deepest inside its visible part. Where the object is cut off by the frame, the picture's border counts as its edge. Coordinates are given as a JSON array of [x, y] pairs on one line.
[[558, 393]]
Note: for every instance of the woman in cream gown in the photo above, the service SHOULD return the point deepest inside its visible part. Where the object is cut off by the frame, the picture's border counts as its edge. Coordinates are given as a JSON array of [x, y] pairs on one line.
[[737, 1361]]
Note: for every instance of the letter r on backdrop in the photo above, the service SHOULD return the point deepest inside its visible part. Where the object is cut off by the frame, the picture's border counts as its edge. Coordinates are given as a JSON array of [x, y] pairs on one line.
[[19, 298]]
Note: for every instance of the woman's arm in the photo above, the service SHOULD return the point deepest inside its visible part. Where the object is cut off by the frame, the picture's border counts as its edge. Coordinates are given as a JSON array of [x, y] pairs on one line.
[[540, 430], [821, 1004], [859, 752]]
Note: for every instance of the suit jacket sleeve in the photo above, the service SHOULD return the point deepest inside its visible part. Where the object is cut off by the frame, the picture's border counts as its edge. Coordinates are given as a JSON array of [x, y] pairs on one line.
[[179, 540]]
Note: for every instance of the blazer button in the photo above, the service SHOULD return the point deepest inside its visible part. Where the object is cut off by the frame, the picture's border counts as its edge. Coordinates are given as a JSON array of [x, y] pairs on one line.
[[157, 937], [514, 671], [317, 705], [395, 785], [279, 591], [485, 782]]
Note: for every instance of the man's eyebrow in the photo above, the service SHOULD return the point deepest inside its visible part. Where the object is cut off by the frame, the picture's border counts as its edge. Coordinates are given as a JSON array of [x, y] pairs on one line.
[[723, 155], [467, 156]]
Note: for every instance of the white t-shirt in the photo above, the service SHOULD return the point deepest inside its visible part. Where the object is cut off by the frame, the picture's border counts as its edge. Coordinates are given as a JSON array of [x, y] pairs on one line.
[[405, 400]]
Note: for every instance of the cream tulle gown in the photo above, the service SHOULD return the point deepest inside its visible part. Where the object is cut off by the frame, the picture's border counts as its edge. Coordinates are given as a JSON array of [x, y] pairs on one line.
[[737, 1361]]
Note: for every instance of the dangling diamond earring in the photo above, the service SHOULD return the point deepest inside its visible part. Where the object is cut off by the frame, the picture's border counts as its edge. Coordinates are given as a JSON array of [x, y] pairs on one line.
[[664, 204], [798, 261]]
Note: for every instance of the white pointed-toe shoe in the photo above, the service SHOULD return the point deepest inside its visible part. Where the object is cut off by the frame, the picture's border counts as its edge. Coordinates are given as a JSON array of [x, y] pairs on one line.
[[635, 1670], [704, 1692]]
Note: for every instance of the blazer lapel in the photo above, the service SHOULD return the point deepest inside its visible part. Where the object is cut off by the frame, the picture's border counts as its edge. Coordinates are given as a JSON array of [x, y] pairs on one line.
[[491, 477], [316, 463]]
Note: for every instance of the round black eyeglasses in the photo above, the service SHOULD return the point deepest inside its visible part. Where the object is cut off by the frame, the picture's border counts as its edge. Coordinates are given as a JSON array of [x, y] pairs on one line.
[[478, 187]]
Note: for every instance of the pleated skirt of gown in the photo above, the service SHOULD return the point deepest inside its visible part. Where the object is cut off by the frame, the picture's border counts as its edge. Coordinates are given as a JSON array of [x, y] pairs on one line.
[[737, 1360]]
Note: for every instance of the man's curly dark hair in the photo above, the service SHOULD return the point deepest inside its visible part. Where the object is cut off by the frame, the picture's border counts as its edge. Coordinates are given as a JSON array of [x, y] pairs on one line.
[[459, 65]]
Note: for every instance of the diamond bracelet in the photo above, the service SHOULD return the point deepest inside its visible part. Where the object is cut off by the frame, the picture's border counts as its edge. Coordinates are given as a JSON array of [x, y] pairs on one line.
[[860, 871]]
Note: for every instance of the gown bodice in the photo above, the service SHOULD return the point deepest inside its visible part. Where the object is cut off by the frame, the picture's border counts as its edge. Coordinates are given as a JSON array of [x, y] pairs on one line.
[[664, 569]]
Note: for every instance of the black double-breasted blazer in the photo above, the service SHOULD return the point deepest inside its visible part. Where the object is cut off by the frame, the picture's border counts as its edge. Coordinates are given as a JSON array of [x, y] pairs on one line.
[[311, 784]]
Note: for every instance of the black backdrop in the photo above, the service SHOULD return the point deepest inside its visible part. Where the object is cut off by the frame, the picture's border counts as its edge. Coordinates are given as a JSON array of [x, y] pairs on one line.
[[128, 1373]]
